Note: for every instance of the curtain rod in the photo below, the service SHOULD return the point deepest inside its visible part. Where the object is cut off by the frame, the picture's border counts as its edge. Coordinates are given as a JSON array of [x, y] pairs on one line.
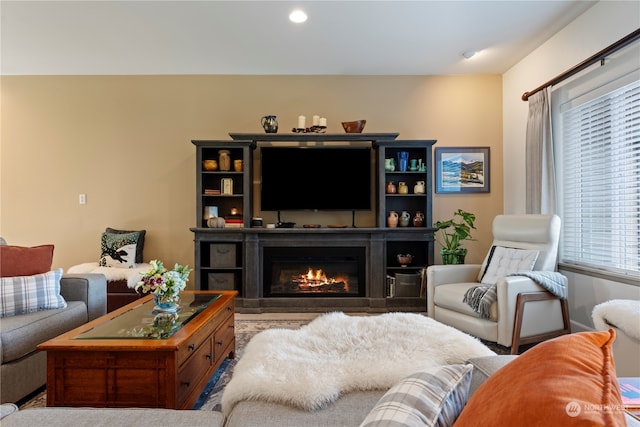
[[600, 56]]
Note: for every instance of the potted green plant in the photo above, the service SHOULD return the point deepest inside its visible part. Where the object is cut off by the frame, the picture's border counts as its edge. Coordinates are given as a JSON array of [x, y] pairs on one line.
[[452, 233]]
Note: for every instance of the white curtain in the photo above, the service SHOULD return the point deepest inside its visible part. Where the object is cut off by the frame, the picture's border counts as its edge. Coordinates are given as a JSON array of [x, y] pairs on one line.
[[540, 170]]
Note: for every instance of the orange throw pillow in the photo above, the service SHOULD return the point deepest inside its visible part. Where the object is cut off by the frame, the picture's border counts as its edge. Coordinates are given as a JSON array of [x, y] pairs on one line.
[[25, 261], [567, 381]]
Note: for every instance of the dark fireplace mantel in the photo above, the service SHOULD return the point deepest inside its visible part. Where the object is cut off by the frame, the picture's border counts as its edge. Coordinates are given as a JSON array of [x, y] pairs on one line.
[[379, 247], [233, 257]]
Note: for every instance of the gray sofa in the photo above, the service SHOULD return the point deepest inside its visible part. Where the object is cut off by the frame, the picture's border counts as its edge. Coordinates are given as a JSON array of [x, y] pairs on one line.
[[349, 410], [23, 368]]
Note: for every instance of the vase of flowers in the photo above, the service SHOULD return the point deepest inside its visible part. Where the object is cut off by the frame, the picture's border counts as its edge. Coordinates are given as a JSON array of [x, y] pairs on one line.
[[164, 284]]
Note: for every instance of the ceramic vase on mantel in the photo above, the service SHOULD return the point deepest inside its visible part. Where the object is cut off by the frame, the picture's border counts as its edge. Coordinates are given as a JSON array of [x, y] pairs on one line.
[[166, 303]]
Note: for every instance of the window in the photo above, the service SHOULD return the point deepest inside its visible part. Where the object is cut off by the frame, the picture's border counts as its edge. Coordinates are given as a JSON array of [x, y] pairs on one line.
[[597, 142]]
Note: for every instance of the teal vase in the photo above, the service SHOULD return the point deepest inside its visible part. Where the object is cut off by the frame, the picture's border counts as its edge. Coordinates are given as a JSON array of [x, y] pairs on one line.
[[166, 303]]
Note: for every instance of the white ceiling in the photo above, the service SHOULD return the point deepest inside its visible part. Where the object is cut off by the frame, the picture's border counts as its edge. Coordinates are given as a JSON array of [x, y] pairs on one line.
[[256, 37]]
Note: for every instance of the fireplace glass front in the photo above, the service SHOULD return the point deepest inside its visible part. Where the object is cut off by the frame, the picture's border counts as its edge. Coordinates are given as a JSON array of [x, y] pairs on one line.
[[314, 272]]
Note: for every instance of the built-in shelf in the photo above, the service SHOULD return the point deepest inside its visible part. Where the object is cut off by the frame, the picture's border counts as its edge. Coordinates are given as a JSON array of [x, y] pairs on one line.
[[243, 271]]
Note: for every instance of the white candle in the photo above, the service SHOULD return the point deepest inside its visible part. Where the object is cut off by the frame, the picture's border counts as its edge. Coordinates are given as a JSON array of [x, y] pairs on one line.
[[301, 120], [316, 120], [323, 121]]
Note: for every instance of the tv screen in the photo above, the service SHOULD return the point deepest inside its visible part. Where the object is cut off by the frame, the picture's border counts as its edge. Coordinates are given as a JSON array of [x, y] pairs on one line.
[[318, 178]]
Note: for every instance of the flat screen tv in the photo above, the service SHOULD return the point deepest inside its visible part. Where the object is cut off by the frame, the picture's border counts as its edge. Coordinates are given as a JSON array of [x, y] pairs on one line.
[[315, 178]]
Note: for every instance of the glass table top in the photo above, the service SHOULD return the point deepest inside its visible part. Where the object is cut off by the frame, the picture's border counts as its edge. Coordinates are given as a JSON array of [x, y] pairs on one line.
[[144, 322]]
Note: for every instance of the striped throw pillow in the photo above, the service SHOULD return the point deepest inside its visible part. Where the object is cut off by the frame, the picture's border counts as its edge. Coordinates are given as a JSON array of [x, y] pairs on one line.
[[432, 397]]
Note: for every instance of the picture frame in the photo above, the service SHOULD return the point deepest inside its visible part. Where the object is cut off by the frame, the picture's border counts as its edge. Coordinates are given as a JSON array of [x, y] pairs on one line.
[[462, 170], [227, 186]]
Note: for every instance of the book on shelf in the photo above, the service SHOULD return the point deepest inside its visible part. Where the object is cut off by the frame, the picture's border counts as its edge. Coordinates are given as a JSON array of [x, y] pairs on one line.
[[233, 225], [233, 221], [391, 286], [630, 391]]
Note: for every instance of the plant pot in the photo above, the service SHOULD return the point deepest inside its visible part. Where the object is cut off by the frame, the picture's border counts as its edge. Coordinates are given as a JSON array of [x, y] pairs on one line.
[[453, 256]]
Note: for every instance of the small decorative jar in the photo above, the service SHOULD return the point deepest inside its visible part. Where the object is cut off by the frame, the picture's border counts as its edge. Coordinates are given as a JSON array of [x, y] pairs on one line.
[[392, 219], [402, 188], [389, 165], [210, 165], [224, 160], [270, 124], [404, 219], [418, 219], [391, 187]]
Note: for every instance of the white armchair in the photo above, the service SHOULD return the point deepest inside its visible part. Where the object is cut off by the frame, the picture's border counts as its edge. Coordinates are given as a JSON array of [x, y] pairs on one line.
[[509, 324]]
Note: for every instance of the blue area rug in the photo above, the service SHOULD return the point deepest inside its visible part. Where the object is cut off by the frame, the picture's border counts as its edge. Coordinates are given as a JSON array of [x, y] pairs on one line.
[[244, 330], [208, 389]]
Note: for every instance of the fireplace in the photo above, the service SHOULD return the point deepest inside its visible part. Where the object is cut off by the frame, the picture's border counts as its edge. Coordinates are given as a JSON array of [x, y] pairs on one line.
[[314, 271]]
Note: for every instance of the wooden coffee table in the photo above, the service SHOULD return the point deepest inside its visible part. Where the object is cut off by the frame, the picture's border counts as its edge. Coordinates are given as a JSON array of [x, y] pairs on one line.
[[133, 358]]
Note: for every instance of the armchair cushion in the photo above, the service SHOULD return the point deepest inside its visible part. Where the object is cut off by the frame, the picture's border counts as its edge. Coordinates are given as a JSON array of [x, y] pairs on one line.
[[26, 294], [567, 381], [504, 261], [452, 297]]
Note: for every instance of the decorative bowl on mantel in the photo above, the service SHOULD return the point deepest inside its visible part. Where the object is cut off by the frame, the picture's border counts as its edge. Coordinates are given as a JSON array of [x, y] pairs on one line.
[[405, 259], [354, 127]]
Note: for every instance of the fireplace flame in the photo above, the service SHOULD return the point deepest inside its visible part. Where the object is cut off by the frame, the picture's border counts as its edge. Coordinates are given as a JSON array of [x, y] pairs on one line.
[[318, 279]]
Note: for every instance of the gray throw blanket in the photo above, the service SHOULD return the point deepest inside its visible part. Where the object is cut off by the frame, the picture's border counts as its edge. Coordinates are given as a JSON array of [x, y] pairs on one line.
[[482, 296]]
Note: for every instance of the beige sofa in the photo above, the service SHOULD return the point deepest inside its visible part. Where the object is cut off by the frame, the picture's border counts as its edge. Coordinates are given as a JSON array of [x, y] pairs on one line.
[[23, 368]]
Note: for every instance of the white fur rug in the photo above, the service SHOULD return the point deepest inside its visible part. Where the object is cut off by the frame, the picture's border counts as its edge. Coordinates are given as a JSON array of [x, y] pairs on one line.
[[334, 354], [619, 313]]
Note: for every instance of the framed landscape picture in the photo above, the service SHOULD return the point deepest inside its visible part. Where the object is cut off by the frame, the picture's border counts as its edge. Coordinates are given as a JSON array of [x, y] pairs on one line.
[[462, 169]]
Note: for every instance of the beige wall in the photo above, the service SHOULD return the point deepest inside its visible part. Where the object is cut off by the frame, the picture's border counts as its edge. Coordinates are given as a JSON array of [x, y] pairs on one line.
[[124, 141]]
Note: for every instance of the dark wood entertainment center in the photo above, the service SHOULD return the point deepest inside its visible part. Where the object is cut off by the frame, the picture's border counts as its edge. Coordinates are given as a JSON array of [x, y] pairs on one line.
[[233, 258]]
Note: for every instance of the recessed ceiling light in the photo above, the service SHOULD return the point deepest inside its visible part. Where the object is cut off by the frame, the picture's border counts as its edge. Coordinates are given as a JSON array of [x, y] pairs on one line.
[[297, 16]]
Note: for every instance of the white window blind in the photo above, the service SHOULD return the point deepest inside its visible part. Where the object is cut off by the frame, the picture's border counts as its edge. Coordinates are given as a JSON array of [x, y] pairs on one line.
[[600, 182]]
